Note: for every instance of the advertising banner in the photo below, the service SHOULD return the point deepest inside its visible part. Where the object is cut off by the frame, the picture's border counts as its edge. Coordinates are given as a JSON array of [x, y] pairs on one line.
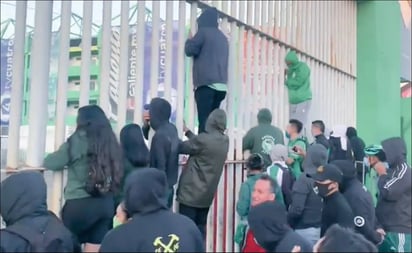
[[6, 79], [144, 88]]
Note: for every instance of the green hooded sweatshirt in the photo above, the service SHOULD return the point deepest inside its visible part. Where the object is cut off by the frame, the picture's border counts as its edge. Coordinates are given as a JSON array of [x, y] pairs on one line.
[[297, 79], [261, 138]]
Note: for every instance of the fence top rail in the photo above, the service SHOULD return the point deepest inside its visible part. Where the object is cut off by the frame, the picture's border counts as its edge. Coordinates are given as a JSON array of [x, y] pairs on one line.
[[268, 37]]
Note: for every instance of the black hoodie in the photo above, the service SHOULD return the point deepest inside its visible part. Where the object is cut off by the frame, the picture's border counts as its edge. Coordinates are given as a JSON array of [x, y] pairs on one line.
[[24, 202], [268, 223], [360, 200], [152, 228], [394, 204], [164, 149], [210, 51]]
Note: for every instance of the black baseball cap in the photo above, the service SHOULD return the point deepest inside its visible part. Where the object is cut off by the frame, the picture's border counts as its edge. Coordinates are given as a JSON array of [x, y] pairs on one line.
[[327, 172], [146, 106], [346, 167]]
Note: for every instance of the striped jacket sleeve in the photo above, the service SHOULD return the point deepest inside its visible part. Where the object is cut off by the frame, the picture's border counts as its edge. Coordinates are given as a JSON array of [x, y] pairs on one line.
[[392, 186]]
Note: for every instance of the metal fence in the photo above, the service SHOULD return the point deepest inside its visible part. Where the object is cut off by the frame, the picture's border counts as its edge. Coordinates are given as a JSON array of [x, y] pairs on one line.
[[260, 33]]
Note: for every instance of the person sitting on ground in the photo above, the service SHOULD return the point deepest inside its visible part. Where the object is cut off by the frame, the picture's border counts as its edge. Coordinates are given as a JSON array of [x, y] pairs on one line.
[[261, 138], [341, 239], [152, 226], [269, 225], [135, 152], [335, 208], [360, 201], [305, 212], [295, 145], [318, 132], [280, 172], [164, 148], [30, 227], [201, 175]]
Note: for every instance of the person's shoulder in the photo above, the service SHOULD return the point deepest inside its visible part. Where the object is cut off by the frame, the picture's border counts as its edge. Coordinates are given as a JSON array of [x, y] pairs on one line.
[[10, 242]]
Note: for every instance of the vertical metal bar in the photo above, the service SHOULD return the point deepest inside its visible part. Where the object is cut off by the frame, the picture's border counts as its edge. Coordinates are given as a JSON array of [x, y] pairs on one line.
[[249, 66], [40, 65], [277, 22], [169, 51], [271, 17], [242, 8], [257, 11], [105, 57], [16, 102], [191, 105], [124, 66], [86, 53], [61, 99], [154, 66], [264, 22], [269, 84], [256, 72], [308, 26], [140, 45], [294, 26], [284, 101], [181, 66]]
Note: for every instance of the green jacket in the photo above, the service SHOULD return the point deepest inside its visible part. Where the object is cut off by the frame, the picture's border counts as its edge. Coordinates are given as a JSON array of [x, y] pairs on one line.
[[77, 168], [261, 138], [297, 80], [208, 152], [296, 167]]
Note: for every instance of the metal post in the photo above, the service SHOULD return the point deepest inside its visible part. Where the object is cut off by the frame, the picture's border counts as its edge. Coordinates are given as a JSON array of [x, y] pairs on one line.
[[141, 31], [181, 67], [154, 66], [124, 66], [40, 65], [105, 57], [61, 100], [17, 86], [169, 51], [191, 103], [86, 53]]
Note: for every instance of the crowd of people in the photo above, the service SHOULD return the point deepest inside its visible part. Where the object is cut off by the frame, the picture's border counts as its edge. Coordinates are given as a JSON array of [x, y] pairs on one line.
[[297, 196]]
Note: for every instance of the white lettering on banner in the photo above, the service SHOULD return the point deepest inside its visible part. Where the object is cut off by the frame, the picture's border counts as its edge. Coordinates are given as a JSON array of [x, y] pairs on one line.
[[114, 69], [6, 93]]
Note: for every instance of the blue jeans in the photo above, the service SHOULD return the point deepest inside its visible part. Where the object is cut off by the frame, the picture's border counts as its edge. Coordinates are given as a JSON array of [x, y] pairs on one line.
[[312, 235]]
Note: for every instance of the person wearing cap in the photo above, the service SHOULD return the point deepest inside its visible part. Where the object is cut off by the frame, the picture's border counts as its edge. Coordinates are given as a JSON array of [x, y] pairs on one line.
[[305, 212], [335, 207], [280, 172], [360, 200], [393, 209]]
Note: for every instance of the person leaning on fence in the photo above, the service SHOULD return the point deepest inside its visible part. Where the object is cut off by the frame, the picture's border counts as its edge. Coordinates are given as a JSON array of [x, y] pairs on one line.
[[30, 227], [92, 157], [209, 48], [152, 227], [200, 177], [261, 138]]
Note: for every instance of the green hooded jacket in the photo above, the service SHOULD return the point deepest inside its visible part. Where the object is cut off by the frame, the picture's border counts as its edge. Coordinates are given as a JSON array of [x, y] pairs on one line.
[[76, 164], [297, 79], [263, 137]]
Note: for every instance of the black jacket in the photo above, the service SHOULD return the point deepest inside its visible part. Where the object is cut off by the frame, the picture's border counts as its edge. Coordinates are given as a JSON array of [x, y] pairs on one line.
[[152, 228], [164, 149], [360, 200], [394, 204], [321, 139], [357, 144], [336, 210], [23, 202], [210, 51], [306, 208], [269, 225], [336, 151]]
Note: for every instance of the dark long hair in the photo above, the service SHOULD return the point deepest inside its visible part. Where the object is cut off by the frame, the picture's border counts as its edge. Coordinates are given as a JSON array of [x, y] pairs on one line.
[[133, 145], [104, 153]]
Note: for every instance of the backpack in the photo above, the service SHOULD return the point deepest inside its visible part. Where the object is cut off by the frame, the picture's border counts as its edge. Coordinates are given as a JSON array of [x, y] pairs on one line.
[[48, 241], [287, 183]]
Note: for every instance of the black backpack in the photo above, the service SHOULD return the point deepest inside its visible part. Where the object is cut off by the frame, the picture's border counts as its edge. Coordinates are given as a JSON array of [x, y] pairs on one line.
[[49, 241]]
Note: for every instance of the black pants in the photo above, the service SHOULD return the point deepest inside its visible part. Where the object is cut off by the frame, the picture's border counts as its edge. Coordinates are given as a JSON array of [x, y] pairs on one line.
[[198, 215], [207, 100]]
